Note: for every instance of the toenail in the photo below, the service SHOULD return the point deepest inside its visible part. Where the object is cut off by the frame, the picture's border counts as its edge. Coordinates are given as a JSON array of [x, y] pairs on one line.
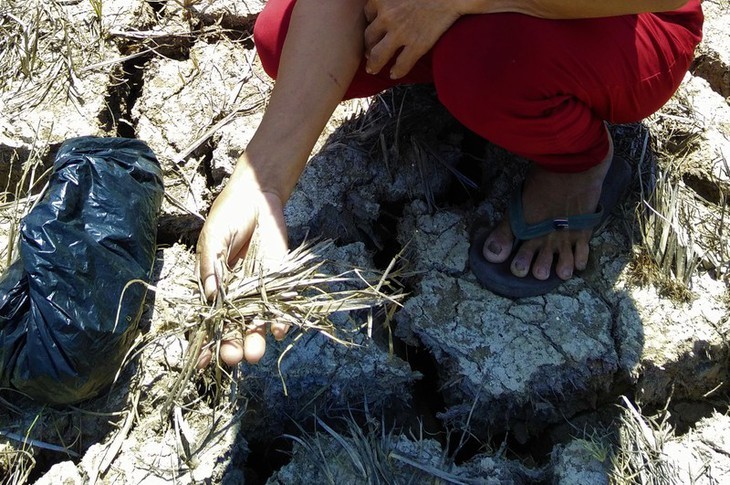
[[494, 248]]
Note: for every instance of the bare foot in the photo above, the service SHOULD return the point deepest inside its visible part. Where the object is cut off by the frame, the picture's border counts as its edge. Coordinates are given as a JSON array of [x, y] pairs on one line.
[[550, 195]]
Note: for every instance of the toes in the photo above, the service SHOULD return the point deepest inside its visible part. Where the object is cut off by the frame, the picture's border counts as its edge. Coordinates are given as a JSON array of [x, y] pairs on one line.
[[498, 244], [543, 264], [538, 255], [523, 259], [581, 255], [565, 265]]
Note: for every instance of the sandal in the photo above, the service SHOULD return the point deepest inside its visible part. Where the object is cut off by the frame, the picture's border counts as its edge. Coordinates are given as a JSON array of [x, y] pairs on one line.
[[498, 278]]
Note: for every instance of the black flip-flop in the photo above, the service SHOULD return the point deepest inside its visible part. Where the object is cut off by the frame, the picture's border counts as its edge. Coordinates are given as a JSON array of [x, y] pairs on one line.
[[498, 278]]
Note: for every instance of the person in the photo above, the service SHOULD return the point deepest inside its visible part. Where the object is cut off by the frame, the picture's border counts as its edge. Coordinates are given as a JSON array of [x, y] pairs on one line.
[[539, 78]]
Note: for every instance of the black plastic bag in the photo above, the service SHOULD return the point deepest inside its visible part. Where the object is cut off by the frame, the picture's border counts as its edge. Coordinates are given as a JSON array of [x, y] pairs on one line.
[[63, 329]]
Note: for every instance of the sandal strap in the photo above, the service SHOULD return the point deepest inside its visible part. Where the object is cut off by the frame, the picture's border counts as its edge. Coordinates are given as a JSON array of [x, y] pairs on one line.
[[524, 231]]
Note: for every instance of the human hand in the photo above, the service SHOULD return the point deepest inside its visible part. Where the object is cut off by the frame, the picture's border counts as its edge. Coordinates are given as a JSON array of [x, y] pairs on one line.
[[413, 25], [241, 212]]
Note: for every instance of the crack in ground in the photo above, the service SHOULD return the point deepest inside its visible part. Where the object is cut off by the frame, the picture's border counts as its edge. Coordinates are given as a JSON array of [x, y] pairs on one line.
[[125, 90], [555, 346]]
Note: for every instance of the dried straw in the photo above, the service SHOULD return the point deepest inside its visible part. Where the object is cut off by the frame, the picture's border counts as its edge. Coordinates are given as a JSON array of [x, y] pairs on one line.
[[640, 457], [298, 293]]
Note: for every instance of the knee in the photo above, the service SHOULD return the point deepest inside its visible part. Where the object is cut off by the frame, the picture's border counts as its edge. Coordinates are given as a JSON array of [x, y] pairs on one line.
[[270, 31], [486, 75], [474, 76]]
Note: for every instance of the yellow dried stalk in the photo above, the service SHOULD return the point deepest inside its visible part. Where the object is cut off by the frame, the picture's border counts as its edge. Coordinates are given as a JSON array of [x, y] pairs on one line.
[[668, 232], [639, 457]]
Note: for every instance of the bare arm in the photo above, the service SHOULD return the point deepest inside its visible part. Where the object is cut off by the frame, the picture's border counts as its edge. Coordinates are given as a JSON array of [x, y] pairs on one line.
[[323, 49], [569, 9]]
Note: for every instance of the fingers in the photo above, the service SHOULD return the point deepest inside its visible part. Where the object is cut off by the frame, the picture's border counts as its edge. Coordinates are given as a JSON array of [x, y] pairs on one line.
[[381, 47], [218, 245], [227, 231], [205, 357], [235, 346], [208, 254], [385, 49], [370, 11], [378, 49], [279, 330], [227, 237], [383, 43], [254, 344], [402, 32], [406, 60], [232, 349]]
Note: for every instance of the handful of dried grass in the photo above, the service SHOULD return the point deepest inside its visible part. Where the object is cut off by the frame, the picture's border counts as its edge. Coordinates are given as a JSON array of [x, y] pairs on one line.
[[298, 293]]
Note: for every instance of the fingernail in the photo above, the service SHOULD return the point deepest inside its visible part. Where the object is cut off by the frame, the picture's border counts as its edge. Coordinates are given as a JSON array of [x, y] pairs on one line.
[[494, 248], [393, 75]]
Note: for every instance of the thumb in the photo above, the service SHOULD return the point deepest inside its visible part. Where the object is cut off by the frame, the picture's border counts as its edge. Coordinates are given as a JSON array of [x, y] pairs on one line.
[[211, 252], [205, 268]]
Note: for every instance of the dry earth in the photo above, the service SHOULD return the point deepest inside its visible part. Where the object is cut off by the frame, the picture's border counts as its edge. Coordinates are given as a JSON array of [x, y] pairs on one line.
[[460, 386]]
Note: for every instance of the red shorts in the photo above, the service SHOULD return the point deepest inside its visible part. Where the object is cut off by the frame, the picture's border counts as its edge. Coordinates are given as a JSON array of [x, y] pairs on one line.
[[539, 88]]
